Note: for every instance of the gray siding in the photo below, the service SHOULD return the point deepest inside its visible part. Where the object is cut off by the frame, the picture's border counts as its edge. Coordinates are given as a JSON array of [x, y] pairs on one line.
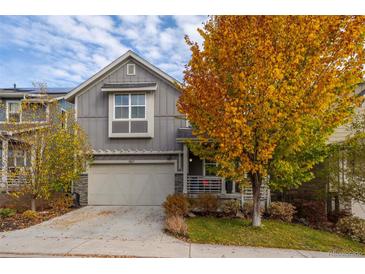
[[92, 113]]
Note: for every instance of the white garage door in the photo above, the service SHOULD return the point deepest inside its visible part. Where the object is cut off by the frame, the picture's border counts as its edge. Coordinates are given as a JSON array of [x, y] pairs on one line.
[[130, 184]]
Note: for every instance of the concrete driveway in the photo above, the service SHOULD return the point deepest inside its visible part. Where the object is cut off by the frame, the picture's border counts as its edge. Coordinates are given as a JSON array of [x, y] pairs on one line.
[[119, 231]]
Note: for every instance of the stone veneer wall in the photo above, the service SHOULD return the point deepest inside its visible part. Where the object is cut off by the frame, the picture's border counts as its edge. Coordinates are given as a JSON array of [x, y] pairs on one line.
[[81, 188], [178, 183]]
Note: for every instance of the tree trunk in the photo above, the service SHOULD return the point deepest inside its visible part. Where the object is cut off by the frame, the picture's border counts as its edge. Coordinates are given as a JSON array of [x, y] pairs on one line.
[[256, 212], [32, 206]]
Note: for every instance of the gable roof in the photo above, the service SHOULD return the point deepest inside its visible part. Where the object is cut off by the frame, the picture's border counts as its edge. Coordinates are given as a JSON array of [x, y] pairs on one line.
[[71, 95]]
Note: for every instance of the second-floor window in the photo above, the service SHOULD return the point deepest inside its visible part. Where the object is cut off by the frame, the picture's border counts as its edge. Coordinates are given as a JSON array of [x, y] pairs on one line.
[[13, 108], [130, 107], [25, 112]]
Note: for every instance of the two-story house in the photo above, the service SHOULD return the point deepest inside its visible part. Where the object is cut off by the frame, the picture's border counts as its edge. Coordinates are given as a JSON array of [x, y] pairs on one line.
[[128, 110], [16, 119]]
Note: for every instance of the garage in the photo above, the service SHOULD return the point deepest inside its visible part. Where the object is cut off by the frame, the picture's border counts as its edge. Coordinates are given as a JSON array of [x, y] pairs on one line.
[[130, 184]]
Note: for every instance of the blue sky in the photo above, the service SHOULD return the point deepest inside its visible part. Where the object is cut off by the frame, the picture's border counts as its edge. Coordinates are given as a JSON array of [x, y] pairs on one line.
[[63, 51]]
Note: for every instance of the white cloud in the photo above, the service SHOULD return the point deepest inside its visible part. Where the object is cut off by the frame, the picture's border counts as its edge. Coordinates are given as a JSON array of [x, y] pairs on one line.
[[102, 22], [65, 50]]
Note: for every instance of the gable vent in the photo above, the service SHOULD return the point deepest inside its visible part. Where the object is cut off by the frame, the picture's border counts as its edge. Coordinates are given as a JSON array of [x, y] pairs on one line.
[[131, 69]]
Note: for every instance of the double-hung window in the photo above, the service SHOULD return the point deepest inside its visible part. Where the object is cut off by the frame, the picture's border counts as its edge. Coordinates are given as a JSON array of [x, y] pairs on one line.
[[18, 158], [130, 107], [130, 114], [13, 108]]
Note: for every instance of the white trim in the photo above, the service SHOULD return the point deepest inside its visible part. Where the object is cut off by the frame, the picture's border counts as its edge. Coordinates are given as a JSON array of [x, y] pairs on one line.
[[187, 123], [75, 107], [115, 63], [130, 107], [19, 111], [154, 88], [134, 152], [149, 117], [134, 69], [136, 162]]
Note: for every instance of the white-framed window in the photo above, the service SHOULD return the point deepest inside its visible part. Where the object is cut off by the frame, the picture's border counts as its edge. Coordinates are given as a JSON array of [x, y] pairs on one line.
[[129, 106], [131, 69], [131, 115], [17, 158], [13, 111]]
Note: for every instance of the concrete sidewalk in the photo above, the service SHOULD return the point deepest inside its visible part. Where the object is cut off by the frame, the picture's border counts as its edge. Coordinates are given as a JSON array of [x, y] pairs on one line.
[[123, 231], [117, 248]]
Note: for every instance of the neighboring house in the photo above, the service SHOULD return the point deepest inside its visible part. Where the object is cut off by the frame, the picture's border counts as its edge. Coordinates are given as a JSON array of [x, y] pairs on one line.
[[128, 110], [320, 188], [340, 134], [14, 120]]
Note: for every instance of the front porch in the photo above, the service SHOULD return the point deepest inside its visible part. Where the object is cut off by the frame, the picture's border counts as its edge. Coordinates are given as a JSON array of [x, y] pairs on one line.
[[15, 161], [198, 177]]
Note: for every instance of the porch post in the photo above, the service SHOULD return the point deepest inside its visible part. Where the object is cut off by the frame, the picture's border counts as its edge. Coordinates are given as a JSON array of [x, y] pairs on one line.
[[185, 168], [223, 187], [4, 176]]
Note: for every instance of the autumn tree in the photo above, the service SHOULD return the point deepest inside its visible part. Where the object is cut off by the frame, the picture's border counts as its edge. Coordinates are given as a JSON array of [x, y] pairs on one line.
[[54, 147], [267, 91]]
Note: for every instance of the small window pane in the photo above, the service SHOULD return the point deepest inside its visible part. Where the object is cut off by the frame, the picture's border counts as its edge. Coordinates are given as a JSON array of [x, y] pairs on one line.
[[14, 117], [121, 112], [20, 161], [138, 112], [28, 159], [138, 99], [14, 107], [11, 161], [122, 100]]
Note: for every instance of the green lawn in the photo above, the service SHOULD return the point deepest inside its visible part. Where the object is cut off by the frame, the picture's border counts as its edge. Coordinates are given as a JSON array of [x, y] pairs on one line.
[[271, 234]]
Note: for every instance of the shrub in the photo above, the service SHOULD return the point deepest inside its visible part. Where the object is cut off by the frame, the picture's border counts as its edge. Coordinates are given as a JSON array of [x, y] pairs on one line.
[[314, 212], [61, 202], [353, 227], [7, 212], [282, 211], [176, 225], [231, 207], [30, 214], [176, 205], [208, 203], [247, 209]]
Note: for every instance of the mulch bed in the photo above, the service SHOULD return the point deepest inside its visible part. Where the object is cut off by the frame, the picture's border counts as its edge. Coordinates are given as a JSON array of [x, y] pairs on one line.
[[18, 221]]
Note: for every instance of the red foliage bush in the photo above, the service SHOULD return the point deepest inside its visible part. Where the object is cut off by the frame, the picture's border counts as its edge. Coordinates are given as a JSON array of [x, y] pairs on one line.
[[314, 211]]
